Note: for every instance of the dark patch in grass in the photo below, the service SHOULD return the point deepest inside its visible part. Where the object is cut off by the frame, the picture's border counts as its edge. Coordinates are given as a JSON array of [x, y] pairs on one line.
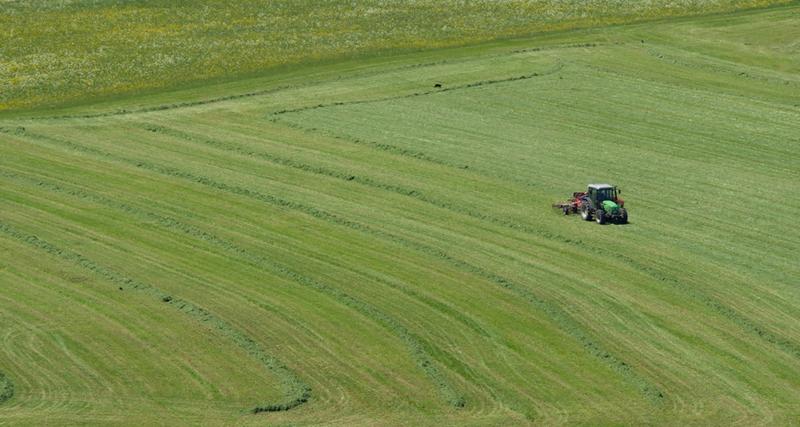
[[560, 47], [6, 388], [18, 130]]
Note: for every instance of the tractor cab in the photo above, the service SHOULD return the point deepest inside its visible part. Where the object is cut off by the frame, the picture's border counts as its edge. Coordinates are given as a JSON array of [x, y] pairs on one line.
[[598, 193]]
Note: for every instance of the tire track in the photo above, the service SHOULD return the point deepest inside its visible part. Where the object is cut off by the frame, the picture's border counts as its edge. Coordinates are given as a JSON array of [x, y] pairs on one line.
[[556, 314], [416, 346], [296, 391]]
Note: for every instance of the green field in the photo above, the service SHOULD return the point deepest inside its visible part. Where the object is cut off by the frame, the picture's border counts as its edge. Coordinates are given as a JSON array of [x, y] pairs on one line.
[[344, 243], [54, 53]]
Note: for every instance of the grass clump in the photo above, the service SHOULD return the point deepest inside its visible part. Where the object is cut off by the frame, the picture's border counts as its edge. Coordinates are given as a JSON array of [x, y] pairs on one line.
[[6, 388]]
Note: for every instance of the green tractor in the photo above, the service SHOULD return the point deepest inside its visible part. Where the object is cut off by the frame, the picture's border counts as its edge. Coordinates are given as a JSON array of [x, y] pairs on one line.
[[602, 202]]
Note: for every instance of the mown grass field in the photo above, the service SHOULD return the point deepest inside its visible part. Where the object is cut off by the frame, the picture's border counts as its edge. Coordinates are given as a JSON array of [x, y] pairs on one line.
[[348, 244]]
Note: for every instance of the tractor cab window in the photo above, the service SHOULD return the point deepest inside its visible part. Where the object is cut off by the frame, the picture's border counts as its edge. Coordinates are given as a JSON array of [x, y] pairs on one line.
[[605, 194]]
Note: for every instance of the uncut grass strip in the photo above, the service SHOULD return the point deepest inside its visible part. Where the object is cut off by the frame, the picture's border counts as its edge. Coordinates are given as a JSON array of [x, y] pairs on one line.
[[257, 93], [297, 392], [270, 91], [417, 347], [6, 388], [557, 315]]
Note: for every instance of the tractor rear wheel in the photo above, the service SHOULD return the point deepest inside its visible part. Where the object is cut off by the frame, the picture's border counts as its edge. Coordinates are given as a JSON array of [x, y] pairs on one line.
[[624, 219], [601, 217], [585, 214]]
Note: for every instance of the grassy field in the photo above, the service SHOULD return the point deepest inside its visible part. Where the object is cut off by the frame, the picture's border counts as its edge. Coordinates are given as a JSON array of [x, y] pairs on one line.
[[348, 244], [67, 52]]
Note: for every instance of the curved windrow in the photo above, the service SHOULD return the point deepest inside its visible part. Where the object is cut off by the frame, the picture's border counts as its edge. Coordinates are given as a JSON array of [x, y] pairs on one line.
[[416, 347]]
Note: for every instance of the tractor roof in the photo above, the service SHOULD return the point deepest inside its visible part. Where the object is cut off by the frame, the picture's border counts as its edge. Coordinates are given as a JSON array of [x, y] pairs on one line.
[[600, 186]]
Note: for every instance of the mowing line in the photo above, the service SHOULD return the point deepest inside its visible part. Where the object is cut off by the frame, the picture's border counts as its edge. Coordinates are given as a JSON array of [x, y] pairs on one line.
[[556, 314], [163, 107], [296, 391], [262, 92], [558, 67], [415, 345]]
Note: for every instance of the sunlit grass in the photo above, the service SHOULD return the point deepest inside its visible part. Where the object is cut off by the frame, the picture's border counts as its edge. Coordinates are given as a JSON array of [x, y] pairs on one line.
[[57, 52]]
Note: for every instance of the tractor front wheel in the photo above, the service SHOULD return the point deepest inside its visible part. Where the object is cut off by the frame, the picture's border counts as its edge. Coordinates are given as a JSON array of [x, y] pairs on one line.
[[601, 217], [585, 214]]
